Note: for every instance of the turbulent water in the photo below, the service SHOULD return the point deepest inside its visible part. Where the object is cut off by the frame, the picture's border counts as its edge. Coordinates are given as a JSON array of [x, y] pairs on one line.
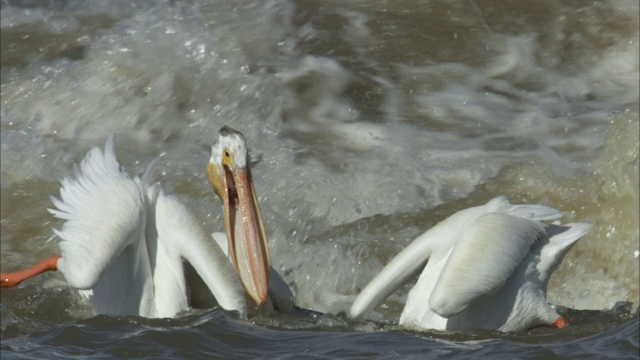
[[367, 121]]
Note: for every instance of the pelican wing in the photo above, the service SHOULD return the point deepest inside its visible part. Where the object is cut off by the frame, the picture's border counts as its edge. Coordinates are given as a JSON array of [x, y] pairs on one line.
[[180, 232], [398, 271], [104, 209], [436, 241], [527, 211], [484, 257]]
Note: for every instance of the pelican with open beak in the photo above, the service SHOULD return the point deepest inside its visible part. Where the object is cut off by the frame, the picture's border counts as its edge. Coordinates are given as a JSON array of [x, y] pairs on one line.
[[124, 241], [230, 176]]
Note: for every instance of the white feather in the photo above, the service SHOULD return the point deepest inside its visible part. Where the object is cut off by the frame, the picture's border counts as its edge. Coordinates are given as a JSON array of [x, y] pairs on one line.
[[126, 241], [484, 257], [104, 208], [488, 267]]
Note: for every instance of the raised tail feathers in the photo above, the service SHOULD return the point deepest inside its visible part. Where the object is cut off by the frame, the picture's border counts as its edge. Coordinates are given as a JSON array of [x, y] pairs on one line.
[[103, 208], [561, 240]]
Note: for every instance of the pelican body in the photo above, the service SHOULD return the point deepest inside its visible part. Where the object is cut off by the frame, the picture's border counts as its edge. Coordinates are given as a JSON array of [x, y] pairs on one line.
[[124, 241], [487, 267]]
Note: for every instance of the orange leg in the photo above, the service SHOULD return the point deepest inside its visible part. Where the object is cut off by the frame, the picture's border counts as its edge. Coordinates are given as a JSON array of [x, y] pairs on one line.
[[16, 277]]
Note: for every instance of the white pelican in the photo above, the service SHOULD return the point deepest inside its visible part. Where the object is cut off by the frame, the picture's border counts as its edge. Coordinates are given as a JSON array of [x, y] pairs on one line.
[[488, 267], [125, 241]]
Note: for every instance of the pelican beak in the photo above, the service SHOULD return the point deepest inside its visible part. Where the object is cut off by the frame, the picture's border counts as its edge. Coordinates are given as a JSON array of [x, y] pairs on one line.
[[248, 248]]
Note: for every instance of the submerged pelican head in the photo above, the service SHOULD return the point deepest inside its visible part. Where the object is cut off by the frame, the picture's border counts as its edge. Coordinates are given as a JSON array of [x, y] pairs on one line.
[[230, 176]]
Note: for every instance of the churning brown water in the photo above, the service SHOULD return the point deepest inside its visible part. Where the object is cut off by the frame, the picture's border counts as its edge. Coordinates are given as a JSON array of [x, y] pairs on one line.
[[368, 122]]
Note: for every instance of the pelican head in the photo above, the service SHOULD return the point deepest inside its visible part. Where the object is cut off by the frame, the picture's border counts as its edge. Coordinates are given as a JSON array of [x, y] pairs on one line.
[[229, 174]]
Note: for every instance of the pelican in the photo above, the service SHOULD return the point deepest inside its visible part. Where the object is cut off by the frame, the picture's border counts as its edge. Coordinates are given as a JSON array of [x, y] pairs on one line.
[[487, 267], [124, 241]]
